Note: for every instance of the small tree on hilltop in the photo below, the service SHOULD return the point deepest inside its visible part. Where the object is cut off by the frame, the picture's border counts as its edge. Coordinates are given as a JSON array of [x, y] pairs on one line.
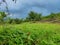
[[33, 16]]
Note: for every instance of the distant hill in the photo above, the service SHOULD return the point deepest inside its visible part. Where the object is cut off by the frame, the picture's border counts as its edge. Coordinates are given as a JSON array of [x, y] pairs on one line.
[[53, 17]]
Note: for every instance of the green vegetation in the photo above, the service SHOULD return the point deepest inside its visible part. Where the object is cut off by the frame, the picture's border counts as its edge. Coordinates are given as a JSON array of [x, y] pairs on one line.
[[35, 29], [32, 16], [2, 16], [30, 34]]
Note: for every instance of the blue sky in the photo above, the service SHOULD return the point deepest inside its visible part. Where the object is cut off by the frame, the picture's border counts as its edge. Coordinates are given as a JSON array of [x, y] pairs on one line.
[[23, 7]]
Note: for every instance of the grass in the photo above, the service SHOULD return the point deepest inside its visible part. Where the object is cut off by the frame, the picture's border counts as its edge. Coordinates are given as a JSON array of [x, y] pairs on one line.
[[30, 34]]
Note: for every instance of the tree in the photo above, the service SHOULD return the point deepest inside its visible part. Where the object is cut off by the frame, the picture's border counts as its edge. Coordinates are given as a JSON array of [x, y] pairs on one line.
[[33, 16], [18, 21], [52, 16], [3, 13], [14, 21], [2, 16], [38, 17]]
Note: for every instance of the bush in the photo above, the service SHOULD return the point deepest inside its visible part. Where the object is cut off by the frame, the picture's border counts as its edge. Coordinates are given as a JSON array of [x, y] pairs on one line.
[[15, 37]]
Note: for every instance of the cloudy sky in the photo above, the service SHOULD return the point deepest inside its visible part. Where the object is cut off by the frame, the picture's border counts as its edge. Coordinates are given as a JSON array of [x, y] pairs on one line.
[[23, 7]]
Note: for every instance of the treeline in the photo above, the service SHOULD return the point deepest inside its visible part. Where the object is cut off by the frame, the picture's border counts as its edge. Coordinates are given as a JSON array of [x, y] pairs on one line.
[[32, 17]]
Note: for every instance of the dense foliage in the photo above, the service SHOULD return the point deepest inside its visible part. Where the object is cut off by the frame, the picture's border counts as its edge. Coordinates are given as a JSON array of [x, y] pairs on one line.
[[32, 16], [2, 16], [30, 34]]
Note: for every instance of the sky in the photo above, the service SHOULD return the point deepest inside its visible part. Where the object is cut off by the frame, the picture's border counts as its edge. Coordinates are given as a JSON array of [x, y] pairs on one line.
[[21, 8]]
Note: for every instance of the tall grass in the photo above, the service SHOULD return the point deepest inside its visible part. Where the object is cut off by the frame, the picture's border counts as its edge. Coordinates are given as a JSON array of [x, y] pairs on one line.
[[30, 34]]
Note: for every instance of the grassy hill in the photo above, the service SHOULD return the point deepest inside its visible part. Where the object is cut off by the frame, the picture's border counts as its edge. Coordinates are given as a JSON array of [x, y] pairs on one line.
[[53, 17]]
